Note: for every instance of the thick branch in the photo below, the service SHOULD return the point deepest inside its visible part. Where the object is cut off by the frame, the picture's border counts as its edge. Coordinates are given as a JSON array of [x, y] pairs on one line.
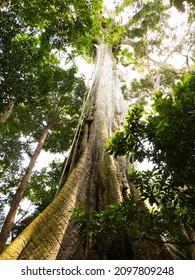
[[171, 242], [128, 42], [4, 3], [7, 111]]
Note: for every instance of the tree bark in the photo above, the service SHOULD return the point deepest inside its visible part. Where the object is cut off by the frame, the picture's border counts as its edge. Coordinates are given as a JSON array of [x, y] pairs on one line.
[[9, 221], [191, 235], [94, 179], [6, 111], [4, 3]]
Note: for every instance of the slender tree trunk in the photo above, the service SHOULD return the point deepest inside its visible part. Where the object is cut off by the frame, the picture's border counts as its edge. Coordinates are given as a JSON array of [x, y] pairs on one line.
[[94, 179], [9, 221], [4, 3], [6, 111]]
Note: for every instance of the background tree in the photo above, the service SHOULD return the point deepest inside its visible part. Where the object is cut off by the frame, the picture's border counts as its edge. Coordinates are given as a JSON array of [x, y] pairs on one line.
[[53, 112], [152, 46], [28, 73]]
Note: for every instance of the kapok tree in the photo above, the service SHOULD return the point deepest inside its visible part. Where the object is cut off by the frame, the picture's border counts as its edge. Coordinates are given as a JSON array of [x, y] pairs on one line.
[[93, 177]]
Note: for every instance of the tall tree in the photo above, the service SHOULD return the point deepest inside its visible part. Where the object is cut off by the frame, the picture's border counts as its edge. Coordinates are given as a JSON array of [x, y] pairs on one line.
[[31, 81], [93, 177], [96, 179], [58, 108]]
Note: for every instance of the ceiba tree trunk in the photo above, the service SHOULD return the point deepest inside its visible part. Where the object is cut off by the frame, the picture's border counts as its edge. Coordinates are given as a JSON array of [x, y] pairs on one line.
[[95, 179], [9, 221]]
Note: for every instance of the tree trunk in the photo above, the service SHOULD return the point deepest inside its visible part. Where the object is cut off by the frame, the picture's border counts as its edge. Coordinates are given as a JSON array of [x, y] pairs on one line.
[[7, 111], [94, 179], [4, 3], [9, 221], [191, 235]]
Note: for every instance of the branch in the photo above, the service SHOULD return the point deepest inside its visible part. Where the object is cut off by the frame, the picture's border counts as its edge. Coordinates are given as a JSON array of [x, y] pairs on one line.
[[121, 6], [4, 3], [7, 111], [178, 46], [68, 122], [170, 242], [25, 213], [128, 42]]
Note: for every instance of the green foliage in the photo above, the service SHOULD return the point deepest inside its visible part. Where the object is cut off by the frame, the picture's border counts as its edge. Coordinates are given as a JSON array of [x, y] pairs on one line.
[[115, 34], [139, 224], [60, 107], [171, 130], [168, 131], [12, 152], [42, 91], [59, 104], [124, 142], [21, 59], [165, 136], [43, 185], [113, 219], [140, 90], [29, 33], [4, 128], [152, 38], [61, 23], [148, 18]]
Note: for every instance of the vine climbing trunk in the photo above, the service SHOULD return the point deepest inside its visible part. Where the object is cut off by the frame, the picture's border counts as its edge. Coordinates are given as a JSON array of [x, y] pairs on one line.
[[93, 178]]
